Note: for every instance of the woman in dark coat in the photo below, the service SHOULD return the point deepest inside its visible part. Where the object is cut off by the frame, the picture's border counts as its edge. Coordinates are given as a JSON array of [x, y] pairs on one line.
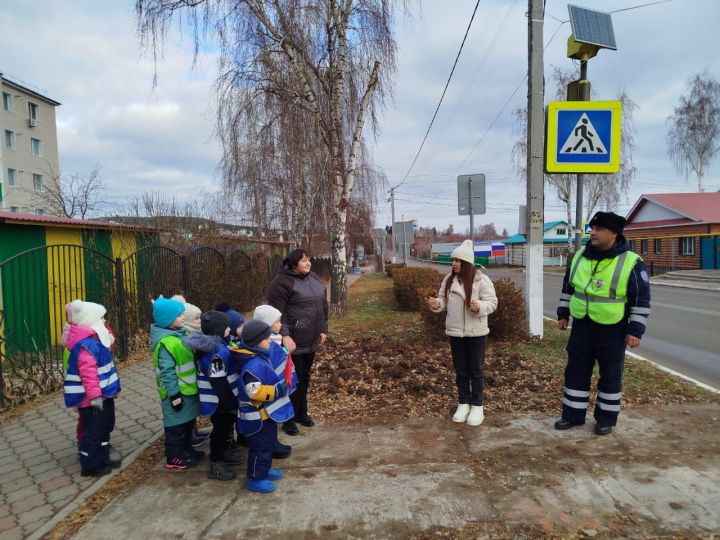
[[302, 299]]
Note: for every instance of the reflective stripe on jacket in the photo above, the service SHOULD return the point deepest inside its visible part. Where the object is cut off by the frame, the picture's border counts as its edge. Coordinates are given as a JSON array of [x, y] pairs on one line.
[[600, 286], [184, 366], [250, 413], [73, 389]]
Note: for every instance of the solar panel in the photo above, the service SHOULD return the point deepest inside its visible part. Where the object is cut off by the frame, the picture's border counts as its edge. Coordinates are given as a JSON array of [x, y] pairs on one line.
[[592, 27]]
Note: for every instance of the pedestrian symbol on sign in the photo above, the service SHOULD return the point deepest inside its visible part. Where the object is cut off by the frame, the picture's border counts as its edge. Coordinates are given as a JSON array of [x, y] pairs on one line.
[[583, 139]]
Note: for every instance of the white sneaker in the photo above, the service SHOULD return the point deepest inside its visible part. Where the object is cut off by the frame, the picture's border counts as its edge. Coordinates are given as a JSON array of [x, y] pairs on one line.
[[461, 413], [476, 416]]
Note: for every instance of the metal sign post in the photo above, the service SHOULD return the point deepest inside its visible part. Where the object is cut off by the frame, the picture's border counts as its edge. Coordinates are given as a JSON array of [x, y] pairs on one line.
[[471, 198]]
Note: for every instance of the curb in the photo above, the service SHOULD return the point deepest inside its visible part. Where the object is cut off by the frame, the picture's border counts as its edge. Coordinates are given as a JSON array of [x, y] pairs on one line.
[[686, 285], [77, 502]]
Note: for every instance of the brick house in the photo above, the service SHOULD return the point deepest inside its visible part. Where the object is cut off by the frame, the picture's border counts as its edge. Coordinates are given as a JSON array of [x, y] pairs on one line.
[[676, 231]]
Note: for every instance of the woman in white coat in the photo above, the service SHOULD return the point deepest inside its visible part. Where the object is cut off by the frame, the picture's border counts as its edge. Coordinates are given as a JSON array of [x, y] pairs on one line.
[[468, 295]]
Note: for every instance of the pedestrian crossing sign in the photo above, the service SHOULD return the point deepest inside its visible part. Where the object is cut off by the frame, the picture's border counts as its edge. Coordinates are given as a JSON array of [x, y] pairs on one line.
[[583, 136]]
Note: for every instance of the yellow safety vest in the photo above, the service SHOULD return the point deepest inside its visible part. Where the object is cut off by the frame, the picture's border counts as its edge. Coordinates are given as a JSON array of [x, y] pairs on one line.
[[600, 286], [184, 366]]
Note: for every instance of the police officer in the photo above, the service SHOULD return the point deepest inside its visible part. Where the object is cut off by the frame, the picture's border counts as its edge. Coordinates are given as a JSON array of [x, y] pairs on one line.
[[607, 292]]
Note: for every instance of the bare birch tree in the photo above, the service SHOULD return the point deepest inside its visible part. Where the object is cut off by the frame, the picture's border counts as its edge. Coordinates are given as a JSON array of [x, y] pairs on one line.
[[318, 62], [693, 137]]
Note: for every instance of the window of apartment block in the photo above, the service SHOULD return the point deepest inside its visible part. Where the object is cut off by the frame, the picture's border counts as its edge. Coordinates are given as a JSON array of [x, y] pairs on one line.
[[7, 102], [687, 246], [658, 245], [38, 182], [643, 246], [12, 177], [14, 209], [9, 139], [40, 211], [36, 147], [33, 111]]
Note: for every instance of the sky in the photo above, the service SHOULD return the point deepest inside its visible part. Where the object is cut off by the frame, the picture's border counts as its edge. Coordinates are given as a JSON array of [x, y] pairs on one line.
[[160, 138]]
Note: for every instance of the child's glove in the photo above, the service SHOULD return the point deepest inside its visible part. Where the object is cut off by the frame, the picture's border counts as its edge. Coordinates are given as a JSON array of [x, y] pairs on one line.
[[97, 403], [177, 401]]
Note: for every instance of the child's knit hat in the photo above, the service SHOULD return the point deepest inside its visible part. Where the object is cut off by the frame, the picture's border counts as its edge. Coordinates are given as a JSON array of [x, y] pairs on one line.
[[267, 314], [192, 312], [254, 332], [235, 318], [214, 323], [90, 315], [165, 311]]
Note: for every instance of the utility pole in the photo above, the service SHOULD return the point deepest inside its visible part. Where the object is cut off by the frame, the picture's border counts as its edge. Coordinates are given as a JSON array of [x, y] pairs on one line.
[[535, 145], [404, 240], [584, 95], [472, 220], [392, 222]]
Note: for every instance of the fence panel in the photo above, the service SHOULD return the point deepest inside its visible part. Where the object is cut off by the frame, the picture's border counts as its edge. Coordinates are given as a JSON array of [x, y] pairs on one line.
[[205, 268], [36, 285]]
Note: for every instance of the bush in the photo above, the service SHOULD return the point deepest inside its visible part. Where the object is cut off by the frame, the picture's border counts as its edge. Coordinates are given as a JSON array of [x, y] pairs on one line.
[[389, 267], [509, 319], [433, 323], [410, 281]]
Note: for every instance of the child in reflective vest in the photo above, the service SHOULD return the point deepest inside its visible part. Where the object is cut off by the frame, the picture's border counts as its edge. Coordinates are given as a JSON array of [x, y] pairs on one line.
[[91, 384], [176, 383], [263, 403]]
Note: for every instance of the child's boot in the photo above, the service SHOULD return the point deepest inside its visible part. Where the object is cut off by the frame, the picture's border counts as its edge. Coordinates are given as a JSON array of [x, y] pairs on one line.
[[281, 450], [462, 412], [275, 474], [260, 486], [476, 416], [220, 471]]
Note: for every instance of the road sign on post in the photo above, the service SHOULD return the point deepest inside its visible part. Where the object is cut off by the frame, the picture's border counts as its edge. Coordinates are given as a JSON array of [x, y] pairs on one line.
[[583, 136], [471, 197]]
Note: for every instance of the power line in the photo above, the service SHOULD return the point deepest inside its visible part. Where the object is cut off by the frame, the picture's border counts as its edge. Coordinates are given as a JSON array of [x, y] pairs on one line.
[[467, 31]]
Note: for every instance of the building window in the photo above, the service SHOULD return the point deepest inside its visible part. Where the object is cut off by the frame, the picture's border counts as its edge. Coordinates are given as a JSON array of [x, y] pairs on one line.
[[561, 231], [7, 102], [643, 246], [38, 183], [12, 177], [632, 245], [687, 246], [40, 211], [36, 147], [658, 245], [33, 112], [14, 209], [9, 139]]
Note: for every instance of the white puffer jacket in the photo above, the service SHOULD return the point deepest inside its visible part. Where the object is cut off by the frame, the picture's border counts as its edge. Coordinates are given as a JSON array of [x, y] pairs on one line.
[[460, 321]]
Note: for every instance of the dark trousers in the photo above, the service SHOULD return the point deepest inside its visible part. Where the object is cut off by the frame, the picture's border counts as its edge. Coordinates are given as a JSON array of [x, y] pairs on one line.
[[95, 440], [590, 342], [468, 354], [261, 449], [303, 363], [223, 423], [178, 440]]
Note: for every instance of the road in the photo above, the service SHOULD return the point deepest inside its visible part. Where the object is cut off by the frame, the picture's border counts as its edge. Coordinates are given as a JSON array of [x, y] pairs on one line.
[[683, 331]]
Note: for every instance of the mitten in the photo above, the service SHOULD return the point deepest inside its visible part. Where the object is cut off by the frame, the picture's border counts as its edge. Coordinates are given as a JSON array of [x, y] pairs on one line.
[[97, 402], [177, 402]]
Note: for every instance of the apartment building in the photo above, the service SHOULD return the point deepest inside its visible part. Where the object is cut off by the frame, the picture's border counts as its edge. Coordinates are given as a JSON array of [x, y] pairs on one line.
[[29, 162]]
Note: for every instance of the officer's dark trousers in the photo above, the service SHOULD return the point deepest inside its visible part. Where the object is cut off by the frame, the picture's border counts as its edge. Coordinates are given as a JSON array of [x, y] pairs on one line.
[[261, 449], [303, 363], [590, 341], [95, 440], [468, 354]]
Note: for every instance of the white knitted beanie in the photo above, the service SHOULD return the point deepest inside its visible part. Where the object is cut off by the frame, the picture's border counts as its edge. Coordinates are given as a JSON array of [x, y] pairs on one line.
[[91, 315], [464, 252], [267, 314]]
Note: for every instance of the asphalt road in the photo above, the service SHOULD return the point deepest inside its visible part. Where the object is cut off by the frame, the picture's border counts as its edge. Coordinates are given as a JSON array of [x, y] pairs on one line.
[[683, 331]]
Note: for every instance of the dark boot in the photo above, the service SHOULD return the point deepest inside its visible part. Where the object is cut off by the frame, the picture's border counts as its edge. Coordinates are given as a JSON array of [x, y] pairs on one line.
[[290, 428], [281, 450], [220, 471]]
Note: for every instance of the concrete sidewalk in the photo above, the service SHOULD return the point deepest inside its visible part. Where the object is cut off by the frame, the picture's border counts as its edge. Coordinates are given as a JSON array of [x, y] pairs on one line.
[[658, 473]]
